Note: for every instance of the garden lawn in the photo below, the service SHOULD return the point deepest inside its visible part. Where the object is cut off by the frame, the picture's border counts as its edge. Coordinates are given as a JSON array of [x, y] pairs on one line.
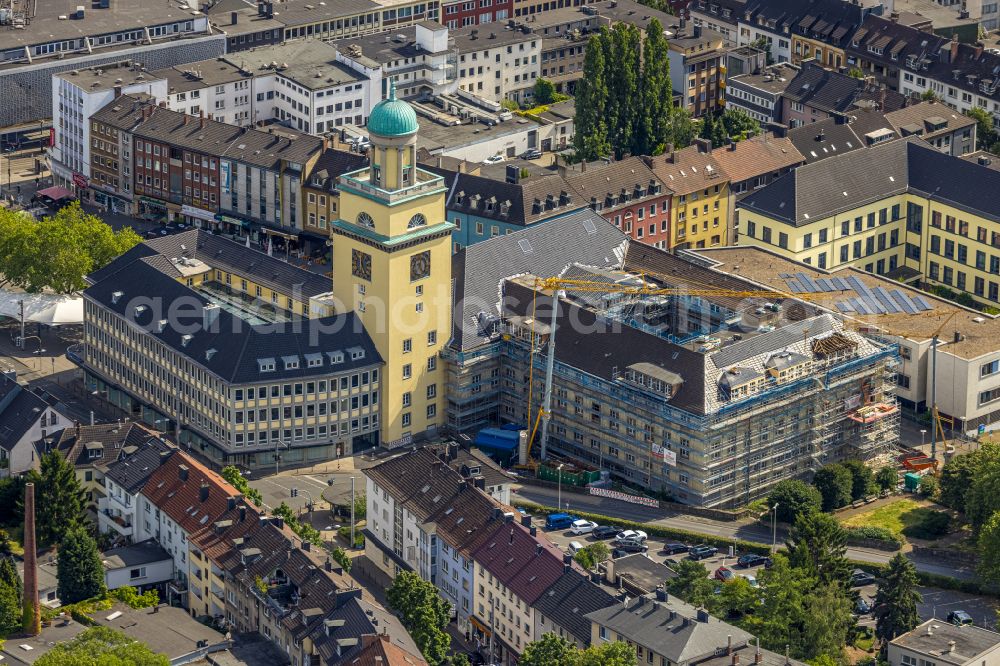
[[899, 517]]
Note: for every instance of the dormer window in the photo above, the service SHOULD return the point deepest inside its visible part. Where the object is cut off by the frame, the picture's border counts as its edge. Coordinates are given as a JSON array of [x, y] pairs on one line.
[[291, 362]]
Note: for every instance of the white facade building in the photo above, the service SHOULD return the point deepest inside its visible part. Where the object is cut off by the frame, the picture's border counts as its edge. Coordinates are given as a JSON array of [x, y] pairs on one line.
[[78, 94]]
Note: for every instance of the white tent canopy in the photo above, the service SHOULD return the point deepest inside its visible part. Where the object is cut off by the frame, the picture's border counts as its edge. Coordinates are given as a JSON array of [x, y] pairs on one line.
[[51, 309]]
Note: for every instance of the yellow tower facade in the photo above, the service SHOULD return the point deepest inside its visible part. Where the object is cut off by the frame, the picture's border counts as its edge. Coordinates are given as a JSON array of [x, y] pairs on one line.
[[392, 266]]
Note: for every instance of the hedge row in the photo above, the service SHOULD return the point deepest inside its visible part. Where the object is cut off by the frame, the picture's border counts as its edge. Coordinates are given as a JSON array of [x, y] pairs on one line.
[[872, 533], [690, 538]]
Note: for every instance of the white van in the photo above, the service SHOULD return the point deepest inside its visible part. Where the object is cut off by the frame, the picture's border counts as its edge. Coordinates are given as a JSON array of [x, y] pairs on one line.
[[575, 547]]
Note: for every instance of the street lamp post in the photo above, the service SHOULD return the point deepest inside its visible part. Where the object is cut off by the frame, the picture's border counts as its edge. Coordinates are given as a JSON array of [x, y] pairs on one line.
[[923, 433], [559, 486], [352, 512], [774, 526]]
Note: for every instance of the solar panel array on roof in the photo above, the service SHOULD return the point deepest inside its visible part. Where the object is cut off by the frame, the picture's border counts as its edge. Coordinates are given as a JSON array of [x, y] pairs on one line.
[[903, 301], [807, 284], [923, 304]]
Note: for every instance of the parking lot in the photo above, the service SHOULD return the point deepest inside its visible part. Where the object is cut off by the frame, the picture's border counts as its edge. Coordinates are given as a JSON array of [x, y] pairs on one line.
[[937, 603]]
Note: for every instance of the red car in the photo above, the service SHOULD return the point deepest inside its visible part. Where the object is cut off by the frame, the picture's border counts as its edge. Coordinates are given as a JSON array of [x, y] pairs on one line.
[[725, 574]]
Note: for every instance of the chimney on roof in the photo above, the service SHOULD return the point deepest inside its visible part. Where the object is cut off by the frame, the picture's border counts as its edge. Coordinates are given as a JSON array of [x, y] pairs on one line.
[[661, 594], [480, 482], [328, 565], [729, 644], [538, 548], [758, 656], [306, 546], [118, 92], [954, 49], [203, 492], [951, 646], [732, 145], [512, 174], [182, 472], [234, 18], [526, 521], [243, 513], [532, 530], [704, 145], [230, 503]]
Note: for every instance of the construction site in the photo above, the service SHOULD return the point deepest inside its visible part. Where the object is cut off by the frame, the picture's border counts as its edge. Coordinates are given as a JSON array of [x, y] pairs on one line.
[[682, 382]]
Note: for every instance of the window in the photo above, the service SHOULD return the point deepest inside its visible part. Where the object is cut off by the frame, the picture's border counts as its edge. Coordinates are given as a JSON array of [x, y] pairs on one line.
[[407, 371], [990, 368], [139, 572], [432, 337], [407, 345]]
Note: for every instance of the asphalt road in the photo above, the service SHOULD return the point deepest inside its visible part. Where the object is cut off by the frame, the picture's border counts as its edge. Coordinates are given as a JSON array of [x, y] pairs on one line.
[[746, 530]]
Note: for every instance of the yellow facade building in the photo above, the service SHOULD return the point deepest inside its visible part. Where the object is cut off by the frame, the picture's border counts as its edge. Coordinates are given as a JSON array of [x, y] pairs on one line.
[[699, 208], [392, 266], [903, 210]]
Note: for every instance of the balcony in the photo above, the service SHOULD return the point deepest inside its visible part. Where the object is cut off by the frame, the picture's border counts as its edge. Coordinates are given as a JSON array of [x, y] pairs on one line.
[[119, 523]]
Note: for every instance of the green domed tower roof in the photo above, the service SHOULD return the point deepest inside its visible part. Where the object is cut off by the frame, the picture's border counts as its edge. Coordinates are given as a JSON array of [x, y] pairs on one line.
[[392, 117]]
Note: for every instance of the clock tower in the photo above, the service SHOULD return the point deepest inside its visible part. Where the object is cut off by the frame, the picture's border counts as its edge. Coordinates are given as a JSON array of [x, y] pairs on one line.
[[392, 266]]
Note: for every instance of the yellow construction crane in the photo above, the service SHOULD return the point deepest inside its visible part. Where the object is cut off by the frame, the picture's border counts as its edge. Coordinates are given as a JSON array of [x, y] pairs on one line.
[[640, 287]]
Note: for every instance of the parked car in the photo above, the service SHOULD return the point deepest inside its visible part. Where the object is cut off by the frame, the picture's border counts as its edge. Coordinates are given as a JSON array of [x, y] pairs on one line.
[[750, 578], [674, 548], [702, 551], [605, 532], [861, 578], [725, 574], [631, 547], [558, 521], [752, 560], [862, 607], [494, 159], [582, 526], [530, 154], [959, 617], [632, 534], [574, 547]]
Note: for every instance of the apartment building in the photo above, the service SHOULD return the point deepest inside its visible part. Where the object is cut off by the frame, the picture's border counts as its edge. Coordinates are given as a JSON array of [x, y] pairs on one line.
[[321, 196], [950, 132], [718, 15], [699, 207], [698, 70], [123, 480], [463, 13], [309, 385], [914, 62], [816, 93], [266, 23], [627, 194], [28, 416], [936, 641], [76, 96], [665, 630], [759, 94]]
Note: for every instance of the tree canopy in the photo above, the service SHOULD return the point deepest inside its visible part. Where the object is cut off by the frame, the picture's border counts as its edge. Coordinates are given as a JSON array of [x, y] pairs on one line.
[[58, 251], [553, 650], [818, 547], [835, 483], [423, 612], [625, 98], [234, 476], [79, 568], [11, 592], [794, 497], [59, 500], [102, 646], [987, 138], [896, 599]]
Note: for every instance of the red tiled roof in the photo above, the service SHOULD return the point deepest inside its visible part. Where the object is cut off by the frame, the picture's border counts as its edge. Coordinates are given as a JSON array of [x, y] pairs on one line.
[[181, 499], [525, 564], [378, 650]]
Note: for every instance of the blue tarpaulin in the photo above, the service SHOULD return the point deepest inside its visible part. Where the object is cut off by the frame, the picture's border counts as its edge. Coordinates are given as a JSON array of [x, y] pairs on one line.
[[499, 439]]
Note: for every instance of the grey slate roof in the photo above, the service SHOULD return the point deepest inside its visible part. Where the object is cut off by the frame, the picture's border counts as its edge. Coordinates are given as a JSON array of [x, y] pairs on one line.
[[237, 345], [221, 253], [861, 177], [132, 470], [969, 641], [569, 599], [679, 635], [144, 552], [332, 164], [825, 138], [775, 340], [478, 270], [20, 409]]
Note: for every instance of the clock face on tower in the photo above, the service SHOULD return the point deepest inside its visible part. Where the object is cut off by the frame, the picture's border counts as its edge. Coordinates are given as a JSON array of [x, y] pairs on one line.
[[420, 265], [361, 265]]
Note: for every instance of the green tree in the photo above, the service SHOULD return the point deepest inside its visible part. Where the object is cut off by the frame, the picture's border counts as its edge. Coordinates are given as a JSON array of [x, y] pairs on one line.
[[862, 479], [460, 659], [58, 251], [737, 598], [956, 479], [929, 96], [130, 596], [59, 500], [989, 549], [423, 612], [794, 497], [622, 47], [654, 127], [78, 567], [305, 531], [896, 599], [592, 555], [617, 653], [549, 650], [739, 125], [682, 129], [590, 139], [707, 128], [692, 583], [817, 547], [545, 91], [986, 136], [929, 486], [982, 499], [855, 73], [11, 591], [360, 506], [341, 557], [886, 478], [826, 622], [777, 621], [835, 483], [102, 646], [235, 478]]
